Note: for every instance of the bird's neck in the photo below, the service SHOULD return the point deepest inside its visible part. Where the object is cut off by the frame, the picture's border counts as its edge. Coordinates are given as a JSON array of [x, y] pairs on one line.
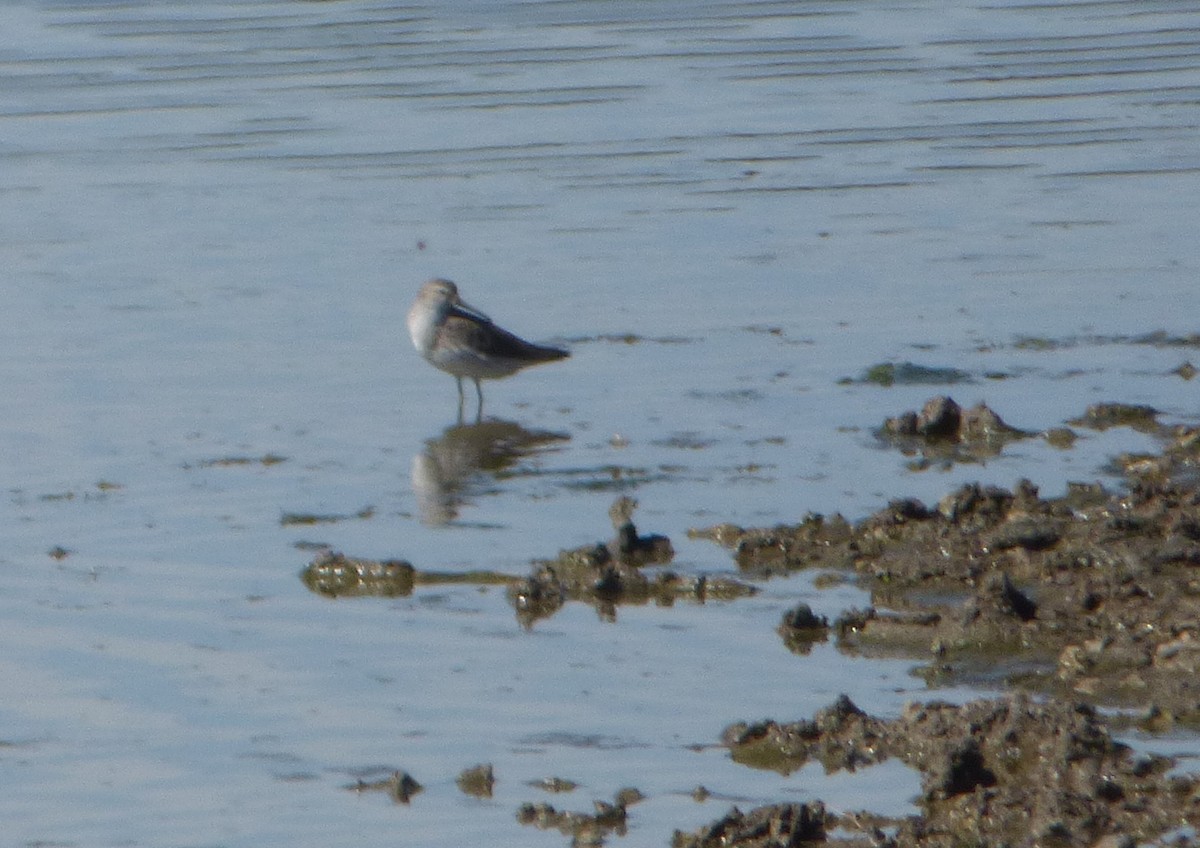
[[423, 326]]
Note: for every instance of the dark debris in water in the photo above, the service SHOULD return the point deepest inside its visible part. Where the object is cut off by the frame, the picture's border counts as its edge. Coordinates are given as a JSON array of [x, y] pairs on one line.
[[400, 786], [555, 784], [103, 489], [738, 396], [686, 441], [266, 460], [617, 478], [632, 339]]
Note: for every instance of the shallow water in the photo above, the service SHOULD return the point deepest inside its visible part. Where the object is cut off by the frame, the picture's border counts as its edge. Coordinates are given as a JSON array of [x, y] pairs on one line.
[[213, 217]]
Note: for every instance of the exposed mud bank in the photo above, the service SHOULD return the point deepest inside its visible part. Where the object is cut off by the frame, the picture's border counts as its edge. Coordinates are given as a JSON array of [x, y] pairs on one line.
[[1095, 594], [1090, 599], [993, 772]]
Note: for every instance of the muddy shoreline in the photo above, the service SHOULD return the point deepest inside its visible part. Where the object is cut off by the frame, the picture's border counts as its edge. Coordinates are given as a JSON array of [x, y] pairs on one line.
[[1074, 605], [1095, 594]]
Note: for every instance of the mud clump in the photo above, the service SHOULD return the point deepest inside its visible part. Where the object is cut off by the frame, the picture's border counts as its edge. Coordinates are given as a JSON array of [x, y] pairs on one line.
[[908, 374], [610, 573], [607, 818], [785, 748], [400, 786], [942, 418], [776, 826], [761, 552], [943, 430], [335, 575], [477, 781], [1102, 416], [993, 772], [801, 628]]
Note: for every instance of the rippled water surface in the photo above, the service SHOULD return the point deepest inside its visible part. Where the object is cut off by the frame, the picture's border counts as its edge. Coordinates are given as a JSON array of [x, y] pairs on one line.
[[213, 218]]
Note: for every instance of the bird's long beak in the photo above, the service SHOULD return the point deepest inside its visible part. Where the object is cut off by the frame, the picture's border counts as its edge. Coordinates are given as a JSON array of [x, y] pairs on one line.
[[465, 310]]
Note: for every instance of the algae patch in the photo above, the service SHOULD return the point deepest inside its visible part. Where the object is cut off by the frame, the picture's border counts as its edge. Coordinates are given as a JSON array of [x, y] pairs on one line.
[[307, 519], [889, 374]]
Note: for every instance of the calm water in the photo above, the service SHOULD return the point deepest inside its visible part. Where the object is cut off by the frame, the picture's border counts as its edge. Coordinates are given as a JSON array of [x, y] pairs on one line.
[[213, 217]]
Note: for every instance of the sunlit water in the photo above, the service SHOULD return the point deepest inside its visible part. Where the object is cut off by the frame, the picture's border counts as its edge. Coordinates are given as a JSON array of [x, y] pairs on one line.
[[213, 218]]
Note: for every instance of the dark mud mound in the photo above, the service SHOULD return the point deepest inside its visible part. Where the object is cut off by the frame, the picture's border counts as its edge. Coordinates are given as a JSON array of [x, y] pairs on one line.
[[801, 628], [777, 826], [942, 418], [610, 573], [942, 431], [996, 772]]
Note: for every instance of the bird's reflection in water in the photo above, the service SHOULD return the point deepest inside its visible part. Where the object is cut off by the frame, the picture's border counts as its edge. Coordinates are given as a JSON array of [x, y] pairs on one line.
[[455, 465]]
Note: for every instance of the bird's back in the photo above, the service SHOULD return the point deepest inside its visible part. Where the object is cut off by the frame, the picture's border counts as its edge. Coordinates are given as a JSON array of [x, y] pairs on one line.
[[486, 351]]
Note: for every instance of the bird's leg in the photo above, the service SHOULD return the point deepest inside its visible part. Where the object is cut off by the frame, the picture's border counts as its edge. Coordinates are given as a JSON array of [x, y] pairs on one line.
[[460, 399], [479, 394]]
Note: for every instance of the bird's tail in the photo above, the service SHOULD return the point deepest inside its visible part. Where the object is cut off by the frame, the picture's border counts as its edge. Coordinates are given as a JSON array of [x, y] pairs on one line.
[[545, 353]]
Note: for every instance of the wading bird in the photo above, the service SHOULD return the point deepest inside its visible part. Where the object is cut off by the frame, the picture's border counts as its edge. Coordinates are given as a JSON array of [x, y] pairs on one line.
[[464, 342]]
